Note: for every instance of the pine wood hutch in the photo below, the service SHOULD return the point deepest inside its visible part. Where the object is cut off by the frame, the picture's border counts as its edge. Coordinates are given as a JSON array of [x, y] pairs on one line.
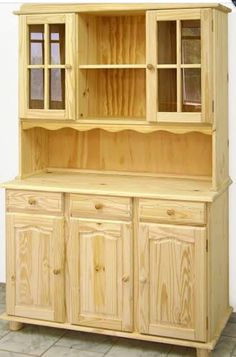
[[118, 221]]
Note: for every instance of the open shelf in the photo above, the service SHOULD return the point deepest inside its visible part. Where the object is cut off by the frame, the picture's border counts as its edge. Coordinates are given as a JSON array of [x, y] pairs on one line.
[[112, 93], [113, 39], [120, 185]]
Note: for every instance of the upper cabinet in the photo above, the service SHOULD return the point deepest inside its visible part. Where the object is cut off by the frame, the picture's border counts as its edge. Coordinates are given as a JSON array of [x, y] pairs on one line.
[[179, 65], [47, 66], [153, 66]]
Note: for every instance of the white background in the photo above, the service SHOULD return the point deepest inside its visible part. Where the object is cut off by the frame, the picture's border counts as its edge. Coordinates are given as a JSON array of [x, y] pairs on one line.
[[9, 119]]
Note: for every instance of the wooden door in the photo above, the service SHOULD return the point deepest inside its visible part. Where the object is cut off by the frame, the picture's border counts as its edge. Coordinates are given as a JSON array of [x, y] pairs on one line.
[[47, 66], [172, 281], [35, 267], [101, 274], [179, 65]]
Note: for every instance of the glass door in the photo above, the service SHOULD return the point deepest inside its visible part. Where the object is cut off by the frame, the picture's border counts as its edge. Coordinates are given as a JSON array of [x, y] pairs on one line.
[[178, 69], [47, 63]]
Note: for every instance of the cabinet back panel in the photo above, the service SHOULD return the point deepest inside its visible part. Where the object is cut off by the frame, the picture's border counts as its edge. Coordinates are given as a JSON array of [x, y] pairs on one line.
[[112, 93], [111, 39], [159, 152]]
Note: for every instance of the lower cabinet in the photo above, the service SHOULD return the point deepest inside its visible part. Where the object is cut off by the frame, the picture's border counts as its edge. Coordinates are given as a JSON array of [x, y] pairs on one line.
[[172, 281], [101, 273], [35, 266]]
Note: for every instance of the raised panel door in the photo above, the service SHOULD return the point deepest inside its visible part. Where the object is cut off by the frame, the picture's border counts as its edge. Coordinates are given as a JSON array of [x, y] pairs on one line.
[[172, 281], [101, 274], [35, 267]]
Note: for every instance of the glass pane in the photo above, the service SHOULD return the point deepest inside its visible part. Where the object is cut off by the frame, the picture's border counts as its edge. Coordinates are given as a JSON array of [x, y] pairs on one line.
[[36, 88], [191, 90], [57, 43], [166, 39], [36, 44], [57, 88], [167, 90], [191, 41]]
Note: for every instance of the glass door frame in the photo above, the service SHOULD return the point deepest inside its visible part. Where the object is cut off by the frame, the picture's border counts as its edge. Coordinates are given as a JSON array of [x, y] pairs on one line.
[[206, 23], [70, 65]]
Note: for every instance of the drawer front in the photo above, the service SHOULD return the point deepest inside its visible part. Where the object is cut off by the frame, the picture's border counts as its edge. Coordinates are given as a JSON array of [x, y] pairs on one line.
[[100, 206], [33, 201], [172, 211]]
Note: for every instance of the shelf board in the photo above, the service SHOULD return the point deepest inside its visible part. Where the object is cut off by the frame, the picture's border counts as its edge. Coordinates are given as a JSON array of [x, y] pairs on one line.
[[123, 185], [112, 66], [116, 126]]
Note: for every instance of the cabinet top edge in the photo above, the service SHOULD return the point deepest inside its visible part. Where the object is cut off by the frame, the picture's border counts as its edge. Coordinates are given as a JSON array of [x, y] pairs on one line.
[[27, 9]]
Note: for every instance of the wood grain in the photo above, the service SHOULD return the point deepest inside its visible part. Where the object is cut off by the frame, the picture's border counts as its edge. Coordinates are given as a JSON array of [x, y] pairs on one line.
[[101, 278], [36, 247], [112, 39], [159, 152], [172, 280], [172, 212], [112, 93], [34, 202], [100, 207]]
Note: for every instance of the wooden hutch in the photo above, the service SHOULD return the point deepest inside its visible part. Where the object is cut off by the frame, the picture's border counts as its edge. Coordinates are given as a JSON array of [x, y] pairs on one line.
[[118, 221]]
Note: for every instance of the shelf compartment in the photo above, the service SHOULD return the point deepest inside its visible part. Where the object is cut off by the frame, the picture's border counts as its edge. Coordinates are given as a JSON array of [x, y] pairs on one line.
[[111, 39], [112, 93], [157, 153]]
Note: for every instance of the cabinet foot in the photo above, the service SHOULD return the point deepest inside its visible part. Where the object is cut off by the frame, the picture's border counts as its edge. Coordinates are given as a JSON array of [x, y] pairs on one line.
[[203, 353], [15, 326]]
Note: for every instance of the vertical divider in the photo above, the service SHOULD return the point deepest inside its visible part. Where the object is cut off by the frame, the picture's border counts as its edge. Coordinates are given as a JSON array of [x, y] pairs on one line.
[[46, 62], [178, 58], [151, 71]]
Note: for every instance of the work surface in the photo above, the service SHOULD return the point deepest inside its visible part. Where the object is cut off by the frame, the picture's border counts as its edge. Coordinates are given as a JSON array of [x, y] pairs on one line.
[[116, 185]]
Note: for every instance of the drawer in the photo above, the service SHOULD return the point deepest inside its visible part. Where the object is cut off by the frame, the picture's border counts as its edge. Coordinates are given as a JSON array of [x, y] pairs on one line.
[[100, 206], [181, 212], [34, 201]]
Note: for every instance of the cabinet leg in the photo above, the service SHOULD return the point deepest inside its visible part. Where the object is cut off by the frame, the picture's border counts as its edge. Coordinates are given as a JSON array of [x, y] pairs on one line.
[[203, 353], [15, 326]]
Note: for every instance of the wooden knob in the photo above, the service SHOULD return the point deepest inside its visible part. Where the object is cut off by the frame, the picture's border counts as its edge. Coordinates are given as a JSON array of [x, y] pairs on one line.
[[32, 201], [98, 206], [143, 280], [125, 278], [150, 67], [13, 278], [170, 212], [56, 271]]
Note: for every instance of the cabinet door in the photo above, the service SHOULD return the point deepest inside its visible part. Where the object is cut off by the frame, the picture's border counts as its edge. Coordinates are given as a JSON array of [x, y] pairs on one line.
[[179, 66], [101, 274], [172, 281], [47, 66], [35, 264]]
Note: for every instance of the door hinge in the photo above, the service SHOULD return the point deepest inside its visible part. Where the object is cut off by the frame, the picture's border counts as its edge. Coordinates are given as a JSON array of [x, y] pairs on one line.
[[207, 245], [213, 106], [207, 323], [212, 25]]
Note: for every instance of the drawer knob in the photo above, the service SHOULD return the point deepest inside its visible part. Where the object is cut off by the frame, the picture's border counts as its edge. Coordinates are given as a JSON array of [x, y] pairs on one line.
[[56, 271], [170, 212], [150, 67], [143, 280], [98, 206], [32, 201], [125, 278]]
